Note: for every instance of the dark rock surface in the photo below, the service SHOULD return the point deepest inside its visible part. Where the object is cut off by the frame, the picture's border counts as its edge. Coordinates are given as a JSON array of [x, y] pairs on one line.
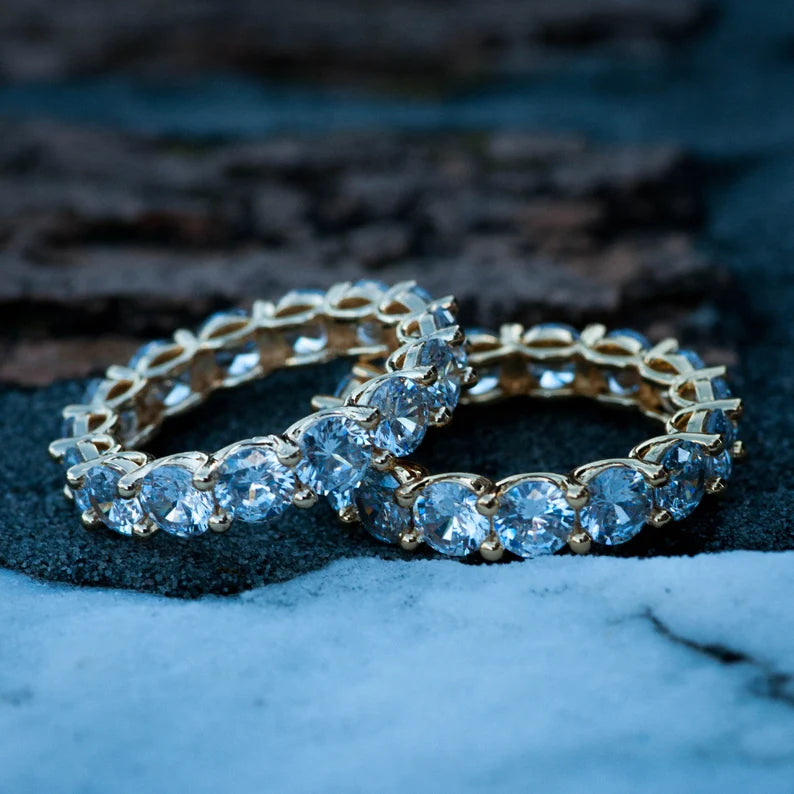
[[412, 42]]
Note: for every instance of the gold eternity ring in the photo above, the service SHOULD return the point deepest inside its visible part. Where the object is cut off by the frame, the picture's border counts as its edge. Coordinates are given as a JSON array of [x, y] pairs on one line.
[[325, 454], [606, 502]]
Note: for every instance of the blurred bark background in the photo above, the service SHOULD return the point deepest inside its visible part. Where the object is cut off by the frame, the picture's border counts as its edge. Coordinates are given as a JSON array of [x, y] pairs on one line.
[[109, 236]]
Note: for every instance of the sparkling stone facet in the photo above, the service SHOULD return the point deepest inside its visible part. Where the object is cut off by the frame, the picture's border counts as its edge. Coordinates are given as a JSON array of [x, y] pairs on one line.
[[100, 492], [630, 333], [448, 360], [721, 389], [553, 376], [308, 339], [619, 505], [445, 514], [622, 382], [72, 457], [171, 391], [534, 518], [168, 496], [719, 466], [381, 516], [240, 360], [336, 452], [403, 422], [488, 378], [253, 485], [685, 463], [718, 422]]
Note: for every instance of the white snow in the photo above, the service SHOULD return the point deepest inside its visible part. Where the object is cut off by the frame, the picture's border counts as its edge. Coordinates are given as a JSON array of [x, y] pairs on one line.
[[423, 676]]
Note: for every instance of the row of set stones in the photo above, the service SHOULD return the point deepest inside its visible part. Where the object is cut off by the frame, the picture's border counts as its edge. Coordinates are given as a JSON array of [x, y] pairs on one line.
[[606, 502], [326, 454]]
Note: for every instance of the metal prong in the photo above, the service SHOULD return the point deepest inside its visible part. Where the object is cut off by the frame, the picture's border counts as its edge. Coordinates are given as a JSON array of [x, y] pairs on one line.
[[488, 504], [716, 446], [405, 495], [367, 417], [220, 521], [75, 482], [322, 401], [144, 531], [580, 542], [382, 460], [491, 548], [659, 517], [304, 498], [91, 519], [348, 514], [409, 539], [738, 450], [576, 495], [441, 417], [428, 377], [128, 491], [205, 479], [67, 492], [468, 377], [716, 485], [288, 454]]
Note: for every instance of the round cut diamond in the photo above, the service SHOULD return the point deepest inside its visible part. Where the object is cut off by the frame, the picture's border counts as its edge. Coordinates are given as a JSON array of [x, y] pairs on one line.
[[402, 410], [622, 382], [445, 513], [100, 492], [238, 361], [168, 496], [553, 376], [449, 361], [253, 485], [721, 389], [630, 333], [488, 379], [719, 466], [685, 464], [534, 518], [336, 451], [619, 504], [381, 516], [718, 422], [308, 339]]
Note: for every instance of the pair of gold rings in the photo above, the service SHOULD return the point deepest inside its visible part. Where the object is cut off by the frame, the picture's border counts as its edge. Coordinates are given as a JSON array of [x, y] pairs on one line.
[[413, 365]]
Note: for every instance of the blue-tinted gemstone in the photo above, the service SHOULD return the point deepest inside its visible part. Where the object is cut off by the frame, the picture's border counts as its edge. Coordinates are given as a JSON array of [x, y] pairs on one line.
[[685, 464], [718, 422], [558, 327], [381, 516], [169, 497], [553, 376], [336, 453], [630, 333], [403, 415], [238, 361], [100, 490], [618, 506], [446, 516], [488, 378], [91, 389], [719, 466], [215, 316], [720, 388], [371, 284], [534, 518], [693, 358], [253, 485], [448, 361]]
